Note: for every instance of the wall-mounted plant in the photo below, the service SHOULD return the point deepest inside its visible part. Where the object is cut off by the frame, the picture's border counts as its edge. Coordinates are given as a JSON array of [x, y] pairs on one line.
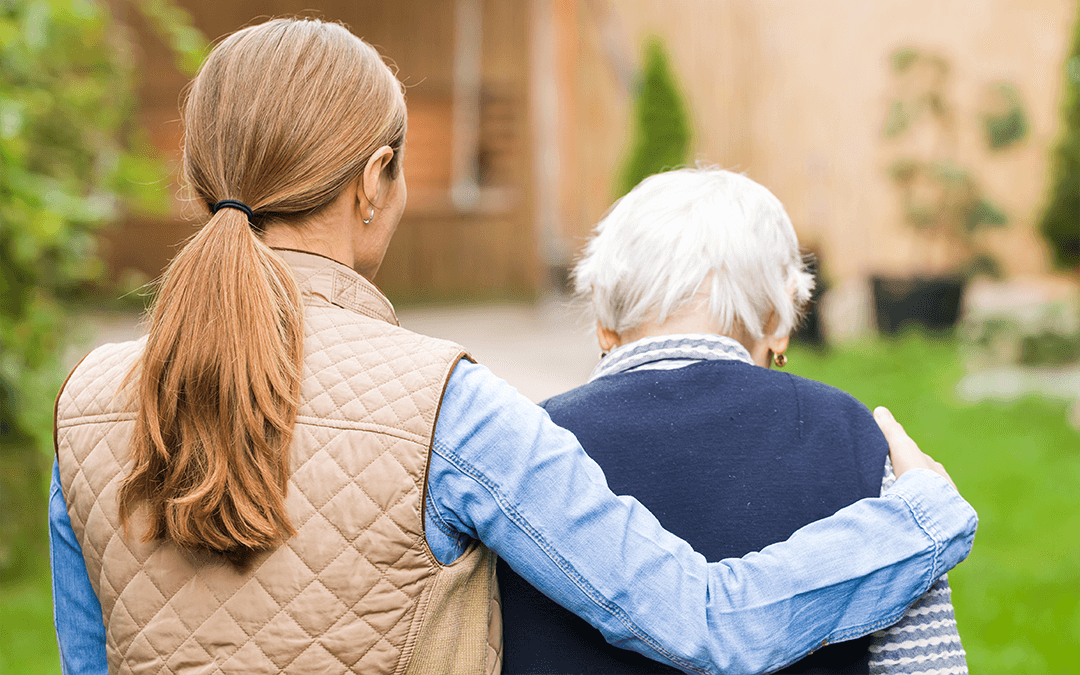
[[940, 196], [1003, 116]]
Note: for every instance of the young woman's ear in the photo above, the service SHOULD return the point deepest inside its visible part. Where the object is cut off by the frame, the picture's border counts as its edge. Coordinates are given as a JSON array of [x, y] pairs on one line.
[[371, 186]]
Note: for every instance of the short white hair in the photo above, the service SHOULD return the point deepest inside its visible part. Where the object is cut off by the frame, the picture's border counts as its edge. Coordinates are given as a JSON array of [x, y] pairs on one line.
[[655, 247]]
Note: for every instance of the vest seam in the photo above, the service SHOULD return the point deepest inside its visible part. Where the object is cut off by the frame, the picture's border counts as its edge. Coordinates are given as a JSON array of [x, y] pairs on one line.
[[97, 418], [798, 404], [308, 420], [487, 646], [56, 407], [427, 464], [349, 425], [434, 564]]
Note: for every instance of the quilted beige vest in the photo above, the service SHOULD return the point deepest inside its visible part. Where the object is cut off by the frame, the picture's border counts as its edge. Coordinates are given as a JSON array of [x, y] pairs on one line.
[[355, 590]]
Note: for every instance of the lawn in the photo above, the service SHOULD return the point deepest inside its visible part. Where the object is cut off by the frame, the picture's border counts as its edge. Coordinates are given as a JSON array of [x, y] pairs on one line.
[[1017, 597]]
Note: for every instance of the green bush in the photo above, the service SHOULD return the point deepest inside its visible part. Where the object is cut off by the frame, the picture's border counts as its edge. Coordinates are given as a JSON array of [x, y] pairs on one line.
[[73, 160], [1061, 219], [661, 133]]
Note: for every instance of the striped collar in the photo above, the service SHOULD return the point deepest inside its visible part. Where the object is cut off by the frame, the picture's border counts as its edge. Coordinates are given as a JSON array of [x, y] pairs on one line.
[[667, 352]]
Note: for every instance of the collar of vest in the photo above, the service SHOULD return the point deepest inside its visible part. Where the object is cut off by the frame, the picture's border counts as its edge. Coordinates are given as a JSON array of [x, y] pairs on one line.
[[338, 284]]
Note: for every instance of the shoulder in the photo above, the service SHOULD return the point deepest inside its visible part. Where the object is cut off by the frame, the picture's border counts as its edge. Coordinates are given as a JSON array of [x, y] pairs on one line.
[[92, 385], [350, 334], [820, 400], [813, 406], [363, 369]]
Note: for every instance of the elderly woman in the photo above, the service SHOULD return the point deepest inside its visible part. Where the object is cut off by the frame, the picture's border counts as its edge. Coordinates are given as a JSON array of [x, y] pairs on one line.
[[695, 282]]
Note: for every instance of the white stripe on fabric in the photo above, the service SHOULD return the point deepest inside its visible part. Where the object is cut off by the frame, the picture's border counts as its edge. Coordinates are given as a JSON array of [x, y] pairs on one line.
[[926, 661], [951, 670], [941, 623], [912, 644], [688, 348]]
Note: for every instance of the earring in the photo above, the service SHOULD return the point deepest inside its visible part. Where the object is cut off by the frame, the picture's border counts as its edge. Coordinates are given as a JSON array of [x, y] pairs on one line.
[[371, 217], [780, 360]]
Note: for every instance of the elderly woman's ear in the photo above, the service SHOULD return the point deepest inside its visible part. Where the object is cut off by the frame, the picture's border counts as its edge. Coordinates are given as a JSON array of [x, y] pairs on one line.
[[607, 338], [775, 348], [770, 348]]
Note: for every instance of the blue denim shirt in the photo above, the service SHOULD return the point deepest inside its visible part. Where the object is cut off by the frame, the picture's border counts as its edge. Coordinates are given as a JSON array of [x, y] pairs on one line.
[[503, 473]]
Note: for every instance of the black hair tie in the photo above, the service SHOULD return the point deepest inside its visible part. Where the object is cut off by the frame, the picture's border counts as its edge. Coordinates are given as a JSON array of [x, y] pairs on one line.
[[232, 204]]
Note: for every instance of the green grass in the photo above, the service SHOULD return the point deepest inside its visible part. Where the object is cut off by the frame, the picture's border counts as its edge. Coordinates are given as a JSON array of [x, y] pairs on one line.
[[1017, 596], [27, 640]]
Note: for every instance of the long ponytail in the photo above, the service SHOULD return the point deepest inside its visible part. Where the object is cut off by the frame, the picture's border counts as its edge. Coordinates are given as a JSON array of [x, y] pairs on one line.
[[281, 117], [219, 390]]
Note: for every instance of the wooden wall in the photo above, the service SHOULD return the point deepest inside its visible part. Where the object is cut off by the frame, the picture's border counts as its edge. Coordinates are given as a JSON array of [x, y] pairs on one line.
[[795, 94], [440, 251]]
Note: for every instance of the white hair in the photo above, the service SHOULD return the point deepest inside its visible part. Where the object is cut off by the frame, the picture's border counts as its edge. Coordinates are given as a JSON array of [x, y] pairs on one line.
[[655, 247]]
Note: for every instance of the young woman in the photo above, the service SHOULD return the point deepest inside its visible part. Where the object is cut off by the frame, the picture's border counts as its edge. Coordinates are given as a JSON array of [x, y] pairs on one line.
[[280, 479]]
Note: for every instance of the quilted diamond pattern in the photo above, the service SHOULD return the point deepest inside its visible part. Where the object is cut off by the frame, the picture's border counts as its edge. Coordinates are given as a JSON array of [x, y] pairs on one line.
[[342, 594]]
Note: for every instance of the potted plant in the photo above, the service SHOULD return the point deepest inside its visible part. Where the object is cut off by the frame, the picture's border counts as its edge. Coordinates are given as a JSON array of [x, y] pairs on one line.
[[940, 197]]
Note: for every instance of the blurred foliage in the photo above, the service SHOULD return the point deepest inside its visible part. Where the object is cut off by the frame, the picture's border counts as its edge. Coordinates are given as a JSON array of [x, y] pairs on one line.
[[1006, 123], [940, 195], [73, 160], [1039, 334], [661, 133], [1061, 219]]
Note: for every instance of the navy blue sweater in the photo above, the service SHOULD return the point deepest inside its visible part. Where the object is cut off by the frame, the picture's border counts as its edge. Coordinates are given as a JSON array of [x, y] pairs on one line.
[[729, 456]]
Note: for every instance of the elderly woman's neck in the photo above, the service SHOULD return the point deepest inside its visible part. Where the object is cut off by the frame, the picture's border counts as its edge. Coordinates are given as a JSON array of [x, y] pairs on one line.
[[692, 319]]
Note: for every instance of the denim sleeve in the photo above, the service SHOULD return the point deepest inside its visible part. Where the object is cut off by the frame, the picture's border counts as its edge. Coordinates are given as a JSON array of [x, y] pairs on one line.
[[926, 641], [80, 631], [503, 473]]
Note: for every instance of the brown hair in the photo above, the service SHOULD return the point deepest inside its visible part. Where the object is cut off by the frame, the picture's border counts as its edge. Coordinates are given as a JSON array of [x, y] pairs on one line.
[[282, 116]]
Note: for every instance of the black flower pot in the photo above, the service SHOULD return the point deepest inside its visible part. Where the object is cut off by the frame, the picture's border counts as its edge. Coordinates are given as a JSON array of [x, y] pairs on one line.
[[930, 302]]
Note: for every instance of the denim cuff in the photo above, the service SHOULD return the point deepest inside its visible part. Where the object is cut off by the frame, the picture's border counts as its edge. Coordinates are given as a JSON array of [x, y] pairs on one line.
[[941, 512]]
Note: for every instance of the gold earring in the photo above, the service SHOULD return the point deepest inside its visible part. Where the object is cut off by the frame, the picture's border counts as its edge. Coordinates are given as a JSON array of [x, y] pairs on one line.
[[780, 360], [367, 221]]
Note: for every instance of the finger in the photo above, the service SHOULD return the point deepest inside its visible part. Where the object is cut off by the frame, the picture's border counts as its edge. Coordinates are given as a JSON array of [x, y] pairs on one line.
[[940, 468], [894, 431]]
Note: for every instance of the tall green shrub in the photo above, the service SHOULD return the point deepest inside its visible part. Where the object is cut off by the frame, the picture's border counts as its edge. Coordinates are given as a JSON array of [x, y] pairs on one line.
[[73, 160], [661, 131], [1061, 219]]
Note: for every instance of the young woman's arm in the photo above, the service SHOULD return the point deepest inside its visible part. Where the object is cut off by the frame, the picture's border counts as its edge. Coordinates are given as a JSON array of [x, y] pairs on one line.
[[501, 472], [926, 641], [80, 632]]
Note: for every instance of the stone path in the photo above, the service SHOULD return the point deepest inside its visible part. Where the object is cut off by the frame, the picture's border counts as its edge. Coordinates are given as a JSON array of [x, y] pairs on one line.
[[543, 349]]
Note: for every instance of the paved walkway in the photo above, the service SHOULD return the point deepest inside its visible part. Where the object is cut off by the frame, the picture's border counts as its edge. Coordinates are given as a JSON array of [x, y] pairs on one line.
[[543, 349]]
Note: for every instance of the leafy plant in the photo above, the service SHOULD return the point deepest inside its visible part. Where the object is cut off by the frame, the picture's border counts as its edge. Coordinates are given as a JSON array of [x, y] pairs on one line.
[[1006, 122], [661, 126], [1061, 220], [73, 160], [940, 196]]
